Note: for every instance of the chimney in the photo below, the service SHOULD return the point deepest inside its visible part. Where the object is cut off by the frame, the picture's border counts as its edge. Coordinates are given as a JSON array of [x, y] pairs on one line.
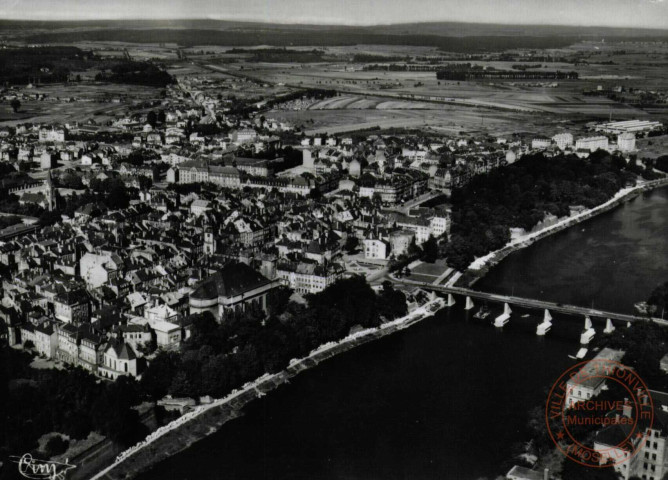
[[546, 474], [627, 409]]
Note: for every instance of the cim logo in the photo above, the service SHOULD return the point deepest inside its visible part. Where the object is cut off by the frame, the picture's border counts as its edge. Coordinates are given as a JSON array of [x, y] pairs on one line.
[[35, 468]]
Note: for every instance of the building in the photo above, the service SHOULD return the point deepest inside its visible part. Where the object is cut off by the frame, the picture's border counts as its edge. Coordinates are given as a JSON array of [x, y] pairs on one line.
[[540, 143], [355, 168], [629, 126], [233, 289], [256, 167], [563, 140], [246, 135], [72, 307], [650, 461], [47, 160], [400, 241], [46, 340], [583, 386], [198, 172], [626, 142], [592, 143], [198, 207], [523, 473], [305, 277], [308, 162], [420, 226], [98, 269], [375, 248], [118, 359], [55, 135]]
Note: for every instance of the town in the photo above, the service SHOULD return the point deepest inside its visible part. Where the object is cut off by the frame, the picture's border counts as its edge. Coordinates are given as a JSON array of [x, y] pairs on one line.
[[198, 222]]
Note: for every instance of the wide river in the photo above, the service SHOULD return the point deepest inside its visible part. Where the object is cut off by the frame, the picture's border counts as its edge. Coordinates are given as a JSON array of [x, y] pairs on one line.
[[447, 398]]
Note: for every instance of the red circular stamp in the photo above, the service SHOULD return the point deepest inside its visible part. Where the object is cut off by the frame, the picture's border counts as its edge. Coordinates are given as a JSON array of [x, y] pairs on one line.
[[599, 413]]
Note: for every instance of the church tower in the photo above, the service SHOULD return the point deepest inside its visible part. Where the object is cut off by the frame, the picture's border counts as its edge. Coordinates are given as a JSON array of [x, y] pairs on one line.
[[50, 192]]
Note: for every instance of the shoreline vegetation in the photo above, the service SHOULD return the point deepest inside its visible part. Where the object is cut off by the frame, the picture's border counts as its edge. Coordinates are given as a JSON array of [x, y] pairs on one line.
[[521, 195], [481, 265], [206, 419]]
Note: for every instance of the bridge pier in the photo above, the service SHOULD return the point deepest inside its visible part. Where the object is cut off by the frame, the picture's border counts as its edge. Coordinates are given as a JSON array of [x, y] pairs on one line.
[[469, 295], [588, 332], [546, 325], [609, 327], [451, 300], [504, 318]]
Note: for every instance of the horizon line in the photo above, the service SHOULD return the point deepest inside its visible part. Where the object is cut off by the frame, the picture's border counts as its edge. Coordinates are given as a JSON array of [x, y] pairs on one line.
[[325, 23]]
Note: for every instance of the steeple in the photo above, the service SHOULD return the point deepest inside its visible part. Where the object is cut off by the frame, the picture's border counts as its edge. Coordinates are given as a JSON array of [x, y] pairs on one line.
[[50, 191]]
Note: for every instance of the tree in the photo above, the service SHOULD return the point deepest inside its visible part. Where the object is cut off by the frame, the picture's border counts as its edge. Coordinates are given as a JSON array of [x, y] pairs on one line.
[[391, 302], [156, 379], [430, 250], [152, 118], [15, 103], [55, 446], [118, 197], [352, 242]]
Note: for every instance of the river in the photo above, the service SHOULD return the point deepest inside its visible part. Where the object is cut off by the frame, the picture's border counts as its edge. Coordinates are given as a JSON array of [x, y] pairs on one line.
[[447, 398], [611, 261]]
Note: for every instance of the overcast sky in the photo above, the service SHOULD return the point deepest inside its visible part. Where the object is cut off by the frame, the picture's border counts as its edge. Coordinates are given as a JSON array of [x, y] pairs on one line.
[[618, 13]]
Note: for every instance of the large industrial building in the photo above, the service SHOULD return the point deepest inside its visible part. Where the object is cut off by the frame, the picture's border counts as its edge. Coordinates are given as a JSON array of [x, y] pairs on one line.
[[629, 126]]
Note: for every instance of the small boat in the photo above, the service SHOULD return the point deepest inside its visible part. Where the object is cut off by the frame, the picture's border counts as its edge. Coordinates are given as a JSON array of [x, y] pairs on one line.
[[483, 313], [526, 315], [643, 308], [580, 355]]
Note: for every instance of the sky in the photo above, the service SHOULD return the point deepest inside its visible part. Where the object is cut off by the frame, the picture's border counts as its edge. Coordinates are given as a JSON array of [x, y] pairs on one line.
[[614, 13]]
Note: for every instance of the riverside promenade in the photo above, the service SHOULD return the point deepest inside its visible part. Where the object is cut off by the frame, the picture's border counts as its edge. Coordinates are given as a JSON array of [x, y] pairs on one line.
[[206, 419], [479, 267]]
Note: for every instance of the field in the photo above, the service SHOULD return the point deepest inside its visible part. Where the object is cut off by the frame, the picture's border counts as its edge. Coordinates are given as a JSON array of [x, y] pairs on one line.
[[440, 119], [652, 147], [77, 103], [602, 66], [387, 98]]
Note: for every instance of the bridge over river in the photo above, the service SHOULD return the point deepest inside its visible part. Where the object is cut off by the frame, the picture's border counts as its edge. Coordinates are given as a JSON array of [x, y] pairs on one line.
[[531, 303]]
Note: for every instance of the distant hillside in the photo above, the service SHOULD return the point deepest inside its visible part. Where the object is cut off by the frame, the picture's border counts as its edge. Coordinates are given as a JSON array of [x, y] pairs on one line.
[[447, 29], [282, 38], [448, 36]]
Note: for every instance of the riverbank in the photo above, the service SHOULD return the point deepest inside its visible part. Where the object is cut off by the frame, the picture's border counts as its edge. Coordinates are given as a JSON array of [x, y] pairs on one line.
[[480, 266], [207, 419]]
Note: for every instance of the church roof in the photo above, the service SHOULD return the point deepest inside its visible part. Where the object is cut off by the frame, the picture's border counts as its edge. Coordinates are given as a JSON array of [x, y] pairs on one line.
[[232, 280]]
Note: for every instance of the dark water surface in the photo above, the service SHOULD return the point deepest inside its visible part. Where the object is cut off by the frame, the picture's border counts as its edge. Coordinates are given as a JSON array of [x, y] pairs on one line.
[[447, 398], [613, 260]]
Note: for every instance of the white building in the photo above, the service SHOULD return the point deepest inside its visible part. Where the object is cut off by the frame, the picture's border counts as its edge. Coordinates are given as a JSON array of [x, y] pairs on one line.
[[563, 140], [629, 126], [592, 143], [118, 359], [540, 143], [52, 135], [198, 207], [376, 249], [585, 384], [626, 142]]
